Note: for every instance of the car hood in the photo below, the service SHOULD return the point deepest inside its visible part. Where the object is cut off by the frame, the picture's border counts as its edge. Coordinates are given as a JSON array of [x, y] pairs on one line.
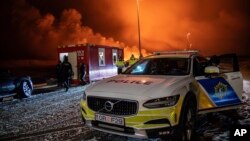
[[140, 85]]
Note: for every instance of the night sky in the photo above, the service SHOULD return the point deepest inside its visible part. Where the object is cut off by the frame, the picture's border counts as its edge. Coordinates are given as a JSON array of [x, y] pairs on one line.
[[32, 29]]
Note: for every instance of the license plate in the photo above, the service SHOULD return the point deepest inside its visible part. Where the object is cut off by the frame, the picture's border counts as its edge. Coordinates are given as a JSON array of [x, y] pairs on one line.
[[109, 119]]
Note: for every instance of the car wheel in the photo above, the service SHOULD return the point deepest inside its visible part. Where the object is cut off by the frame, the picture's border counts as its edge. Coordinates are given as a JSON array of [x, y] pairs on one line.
[[25, 89], [186, 129]]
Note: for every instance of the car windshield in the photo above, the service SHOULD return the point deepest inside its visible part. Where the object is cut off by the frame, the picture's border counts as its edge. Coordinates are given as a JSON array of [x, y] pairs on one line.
[[160, 66]]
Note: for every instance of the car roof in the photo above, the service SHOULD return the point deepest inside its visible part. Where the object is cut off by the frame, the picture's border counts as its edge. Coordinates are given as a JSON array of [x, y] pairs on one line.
[[169, 56], [174, 54]]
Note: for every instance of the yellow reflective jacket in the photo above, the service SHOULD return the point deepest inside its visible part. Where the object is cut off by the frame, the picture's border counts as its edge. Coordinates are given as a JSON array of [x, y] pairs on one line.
[[132, 61], [120, 64]]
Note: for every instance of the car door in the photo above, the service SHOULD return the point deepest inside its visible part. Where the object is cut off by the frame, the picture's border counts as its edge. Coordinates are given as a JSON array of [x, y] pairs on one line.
[[223, 89], [2, 82], [1, 88], [229, 68], [7, 83]]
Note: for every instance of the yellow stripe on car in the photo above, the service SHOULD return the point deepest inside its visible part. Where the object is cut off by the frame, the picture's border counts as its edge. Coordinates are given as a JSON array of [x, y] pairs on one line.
[[138, 121]]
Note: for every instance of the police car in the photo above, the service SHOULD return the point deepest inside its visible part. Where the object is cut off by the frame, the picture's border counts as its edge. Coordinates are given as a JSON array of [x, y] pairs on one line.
[[162, 94]]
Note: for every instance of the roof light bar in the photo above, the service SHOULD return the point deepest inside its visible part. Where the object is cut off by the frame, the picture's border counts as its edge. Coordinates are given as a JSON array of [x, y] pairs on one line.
[[178, 52]]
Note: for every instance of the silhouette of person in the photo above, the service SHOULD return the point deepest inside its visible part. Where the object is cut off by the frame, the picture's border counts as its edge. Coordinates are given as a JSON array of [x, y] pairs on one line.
[[120, 64], [82, 73], [66, 72]]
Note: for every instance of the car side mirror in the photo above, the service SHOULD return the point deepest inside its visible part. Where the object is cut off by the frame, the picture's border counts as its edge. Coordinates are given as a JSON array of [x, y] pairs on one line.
[[212, 70]]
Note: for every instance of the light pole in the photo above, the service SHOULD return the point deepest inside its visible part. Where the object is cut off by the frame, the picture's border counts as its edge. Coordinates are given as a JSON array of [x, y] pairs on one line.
[[139, 32], [189, 45]]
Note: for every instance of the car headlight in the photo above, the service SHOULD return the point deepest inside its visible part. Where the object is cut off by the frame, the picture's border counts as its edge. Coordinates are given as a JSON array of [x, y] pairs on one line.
[[84, 96], [162, 102]]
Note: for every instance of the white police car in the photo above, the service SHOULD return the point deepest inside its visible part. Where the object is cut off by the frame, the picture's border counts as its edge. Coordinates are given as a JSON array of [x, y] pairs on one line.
[[162, 94]]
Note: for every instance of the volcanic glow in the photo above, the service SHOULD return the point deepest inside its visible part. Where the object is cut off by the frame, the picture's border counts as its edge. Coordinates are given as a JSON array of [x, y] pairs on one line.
[[213, 27], [216, 28]]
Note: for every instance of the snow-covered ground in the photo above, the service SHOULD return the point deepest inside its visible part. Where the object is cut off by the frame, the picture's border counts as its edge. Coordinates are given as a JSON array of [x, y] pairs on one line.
[[56, 116], [50, 116], [246, 86]]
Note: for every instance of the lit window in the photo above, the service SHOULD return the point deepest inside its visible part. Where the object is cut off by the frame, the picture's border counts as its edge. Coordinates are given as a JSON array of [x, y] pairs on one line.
[[114, 56], [101, 52]]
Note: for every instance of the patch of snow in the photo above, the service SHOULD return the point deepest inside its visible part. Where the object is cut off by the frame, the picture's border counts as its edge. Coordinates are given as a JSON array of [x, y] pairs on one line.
[[246, 87]]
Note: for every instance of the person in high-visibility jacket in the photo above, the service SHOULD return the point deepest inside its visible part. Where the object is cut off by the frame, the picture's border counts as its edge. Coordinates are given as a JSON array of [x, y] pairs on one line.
[[120, 65], [132, 60]]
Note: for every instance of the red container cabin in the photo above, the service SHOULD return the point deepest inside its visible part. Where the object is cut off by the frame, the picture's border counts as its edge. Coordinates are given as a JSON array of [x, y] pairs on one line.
[[99, 60]]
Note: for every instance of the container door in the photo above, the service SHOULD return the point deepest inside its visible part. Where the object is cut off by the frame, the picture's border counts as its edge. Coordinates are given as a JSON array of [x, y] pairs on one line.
[[72, 57]]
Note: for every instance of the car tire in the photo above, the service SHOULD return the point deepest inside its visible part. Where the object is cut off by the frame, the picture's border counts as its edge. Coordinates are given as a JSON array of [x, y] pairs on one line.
[[186, 128], [25, 89]]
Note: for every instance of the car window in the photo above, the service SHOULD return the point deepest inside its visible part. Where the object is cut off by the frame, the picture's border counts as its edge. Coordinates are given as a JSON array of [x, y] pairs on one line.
[[161, 66], [226, 65], [199, 65]]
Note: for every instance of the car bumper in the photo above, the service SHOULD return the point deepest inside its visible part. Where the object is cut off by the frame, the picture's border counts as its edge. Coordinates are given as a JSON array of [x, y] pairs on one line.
[[149, 123], [130, 132]]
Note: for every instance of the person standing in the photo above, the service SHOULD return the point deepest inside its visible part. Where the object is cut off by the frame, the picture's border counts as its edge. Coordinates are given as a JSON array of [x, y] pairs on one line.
[[132, 60], [120, 64], [82, 73], [58, 71], [66, 72]]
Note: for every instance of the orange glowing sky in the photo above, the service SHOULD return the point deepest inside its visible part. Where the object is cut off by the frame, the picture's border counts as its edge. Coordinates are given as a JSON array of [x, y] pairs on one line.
[[33, 28], [219, 26]]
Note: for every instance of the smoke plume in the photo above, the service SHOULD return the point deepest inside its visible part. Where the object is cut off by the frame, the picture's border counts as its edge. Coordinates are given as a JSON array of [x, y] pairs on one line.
[[39, 35]]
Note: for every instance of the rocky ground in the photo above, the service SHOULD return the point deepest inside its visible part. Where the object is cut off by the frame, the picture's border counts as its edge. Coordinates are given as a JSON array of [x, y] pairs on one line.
[[55, 115]]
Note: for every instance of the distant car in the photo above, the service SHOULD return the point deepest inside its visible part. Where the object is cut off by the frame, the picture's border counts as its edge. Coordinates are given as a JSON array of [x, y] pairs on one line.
[[161, 95], [20, 87]]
